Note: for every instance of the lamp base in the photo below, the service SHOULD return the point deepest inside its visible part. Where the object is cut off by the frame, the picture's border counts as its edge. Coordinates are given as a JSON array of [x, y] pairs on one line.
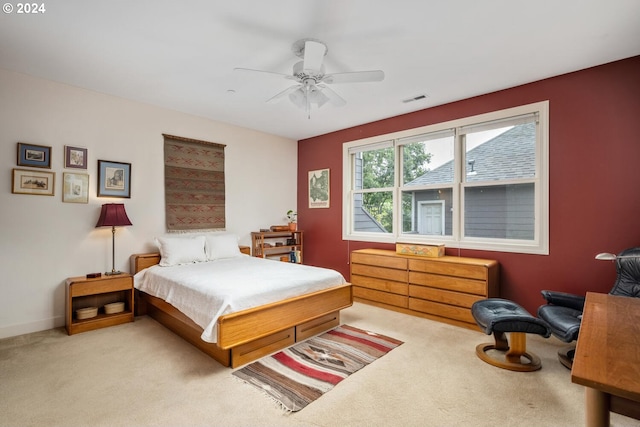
[[112, 273]]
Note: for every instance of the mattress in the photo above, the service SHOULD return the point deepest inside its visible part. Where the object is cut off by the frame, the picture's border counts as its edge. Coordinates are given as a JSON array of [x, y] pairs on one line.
[[205, 291]]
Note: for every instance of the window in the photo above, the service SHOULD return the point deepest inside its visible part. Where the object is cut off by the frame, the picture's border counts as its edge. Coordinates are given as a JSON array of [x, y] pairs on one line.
[[477, 183], [373, 188]]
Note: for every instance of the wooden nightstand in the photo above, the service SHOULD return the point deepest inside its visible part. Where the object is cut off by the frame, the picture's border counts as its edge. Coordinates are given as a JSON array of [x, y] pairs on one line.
[[82, 292]]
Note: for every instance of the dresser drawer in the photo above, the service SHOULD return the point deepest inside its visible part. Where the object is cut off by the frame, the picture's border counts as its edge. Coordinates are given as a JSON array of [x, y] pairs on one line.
[[469, 286], [379, 260], [380, 284], [445, 297], [446, 268], [380, 272], [379, 296], [442, 310]]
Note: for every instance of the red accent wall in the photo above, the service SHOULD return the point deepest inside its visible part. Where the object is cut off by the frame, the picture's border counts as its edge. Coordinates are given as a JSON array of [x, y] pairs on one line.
[[594, 173]]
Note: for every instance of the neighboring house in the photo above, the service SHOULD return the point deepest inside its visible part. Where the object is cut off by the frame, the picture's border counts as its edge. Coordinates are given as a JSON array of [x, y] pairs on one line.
[[363, 220], [495, 210], [488, 208]]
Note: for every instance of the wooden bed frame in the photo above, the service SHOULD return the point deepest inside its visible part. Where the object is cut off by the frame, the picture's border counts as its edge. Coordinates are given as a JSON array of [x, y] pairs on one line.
[[250, 334]]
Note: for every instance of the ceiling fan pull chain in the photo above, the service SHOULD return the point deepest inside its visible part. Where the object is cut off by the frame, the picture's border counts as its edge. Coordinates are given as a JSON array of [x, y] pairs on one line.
[[307, 94]]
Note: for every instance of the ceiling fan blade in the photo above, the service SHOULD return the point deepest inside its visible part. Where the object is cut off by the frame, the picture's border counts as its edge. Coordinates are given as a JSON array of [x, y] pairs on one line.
[[334, 98], [284, 93], [313, 55], [355, 77], [249, 70]]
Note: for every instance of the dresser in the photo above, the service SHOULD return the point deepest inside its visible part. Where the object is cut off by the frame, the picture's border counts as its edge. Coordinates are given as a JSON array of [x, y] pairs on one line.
[[442, 288]]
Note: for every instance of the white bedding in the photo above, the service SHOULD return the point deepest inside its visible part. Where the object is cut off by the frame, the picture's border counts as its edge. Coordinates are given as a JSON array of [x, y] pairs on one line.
[[205, 291]]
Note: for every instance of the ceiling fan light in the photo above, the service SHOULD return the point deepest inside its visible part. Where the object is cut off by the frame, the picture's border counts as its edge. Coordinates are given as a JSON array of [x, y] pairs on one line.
[[298, 98], [317, 97]]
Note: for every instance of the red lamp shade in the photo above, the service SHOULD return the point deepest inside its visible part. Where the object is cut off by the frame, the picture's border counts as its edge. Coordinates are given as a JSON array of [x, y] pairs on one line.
[[113, 214]]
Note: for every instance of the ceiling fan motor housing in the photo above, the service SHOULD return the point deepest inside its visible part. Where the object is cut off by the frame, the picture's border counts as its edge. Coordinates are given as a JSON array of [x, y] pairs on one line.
[[302, 75]]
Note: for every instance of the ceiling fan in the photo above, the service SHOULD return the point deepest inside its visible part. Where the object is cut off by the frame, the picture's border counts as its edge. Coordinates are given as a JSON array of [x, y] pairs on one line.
[[311, 87]]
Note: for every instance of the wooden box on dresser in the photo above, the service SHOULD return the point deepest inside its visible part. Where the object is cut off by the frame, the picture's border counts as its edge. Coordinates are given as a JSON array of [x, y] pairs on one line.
[[442, 288]]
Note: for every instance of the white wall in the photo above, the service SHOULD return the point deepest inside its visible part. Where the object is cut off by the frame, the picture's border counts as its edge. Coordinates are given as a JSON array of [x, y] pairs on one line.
[[43, 240]]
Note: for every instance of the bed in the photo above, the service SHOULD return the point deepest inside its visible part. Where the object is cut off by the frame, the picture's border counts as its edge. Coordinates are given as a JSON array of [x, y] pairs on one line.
[[239, 333]]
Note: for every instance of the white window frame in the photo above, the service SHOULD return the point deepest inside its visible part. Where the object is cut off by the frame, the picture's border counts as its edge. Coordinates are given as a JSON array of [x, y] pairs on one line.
[[540, 243]]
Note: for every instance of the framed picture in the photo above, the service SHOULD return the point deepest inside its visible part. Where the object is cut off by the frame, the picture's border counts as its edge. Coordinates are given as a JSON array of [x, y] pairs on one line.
[[319, 189], [36, 156], [114, 179], [75, 157], [33, 182], [75, 187]]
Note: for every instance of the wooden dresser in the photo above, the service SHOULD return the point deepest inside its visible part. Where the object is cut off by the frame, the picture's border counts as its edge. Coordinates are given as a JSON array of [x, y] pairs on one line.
[[441, 288]]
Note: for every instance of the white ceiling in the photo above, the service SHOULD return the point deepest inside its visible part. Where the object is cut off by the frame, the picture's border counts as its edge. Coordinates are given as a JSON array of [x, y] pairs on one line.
[[181, 54]]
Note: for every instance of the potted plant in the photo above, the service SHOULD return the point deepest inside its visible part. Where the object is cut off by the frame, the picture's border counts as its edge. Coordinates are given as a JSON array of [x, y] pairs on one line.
[[292, 216]]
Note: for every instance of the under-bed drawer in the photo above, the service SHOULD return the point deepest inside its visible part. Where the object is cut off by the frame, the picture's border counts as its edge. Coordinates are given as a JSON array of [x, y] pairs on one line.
[[316, 326], [261, 347]]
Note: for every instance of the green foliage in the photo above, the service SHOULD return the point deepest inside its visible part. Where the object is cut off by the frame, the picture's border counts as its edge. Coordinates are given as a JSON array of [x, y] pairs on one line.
[[416, 160], [378, 171]]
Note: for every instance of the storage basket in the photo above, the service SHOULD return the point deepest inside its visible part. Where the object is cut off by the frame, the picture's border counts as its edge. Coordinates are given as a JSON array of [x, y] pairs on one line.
[[114, 307], [86, 313]]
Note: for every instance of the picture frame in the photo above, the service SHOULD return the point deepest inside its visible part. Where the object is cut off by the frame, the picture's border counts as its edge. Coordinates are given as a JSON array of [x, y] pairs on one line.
[[319, 188], [35, 156], [75, 187], [34, 182], [114, 179], [75, 157]]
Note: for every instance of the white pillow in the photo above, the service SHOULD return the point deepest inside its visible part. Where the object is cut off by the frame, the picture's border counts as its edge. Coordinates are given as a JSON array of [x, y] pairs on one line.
[[221, 245], [181, 250]]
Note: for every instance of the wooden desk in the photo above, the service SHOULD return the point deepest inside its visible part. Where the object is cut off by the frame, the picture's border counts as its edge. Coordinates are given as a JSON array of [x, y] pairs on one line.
[[607, 358]]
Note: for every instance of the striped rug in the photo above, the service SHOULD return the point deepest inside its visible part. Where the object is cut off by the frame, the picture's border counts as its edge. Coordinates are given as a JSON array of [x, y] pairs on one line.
[[302, 373]]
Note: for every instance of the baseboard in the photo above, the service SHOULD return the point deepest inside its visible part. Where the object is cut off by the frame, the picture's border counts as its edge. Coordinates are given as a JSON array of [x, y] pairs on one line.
[[28, 328]]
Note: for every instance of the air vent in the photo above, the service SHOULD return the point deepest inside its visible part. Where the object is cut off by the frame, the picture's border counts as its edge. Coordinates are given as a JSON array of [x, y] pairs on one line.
[[415, 98]]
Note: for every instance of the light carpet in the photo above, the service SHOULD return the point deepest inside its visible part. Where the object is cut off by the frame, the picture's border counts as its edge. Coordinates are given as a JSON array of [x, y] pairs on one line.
[[142, 374], [300, 374]]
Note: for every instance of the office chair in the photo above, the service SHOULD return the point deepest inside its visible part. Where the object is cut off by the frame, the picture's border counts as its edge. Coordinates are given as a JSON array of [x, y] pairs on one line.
[[563, 311]]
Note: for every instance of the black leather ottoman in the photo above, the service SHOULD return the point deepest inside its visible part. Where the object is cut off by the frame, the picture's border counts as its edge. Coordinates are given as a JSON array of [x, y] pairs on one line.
[[500, 316]]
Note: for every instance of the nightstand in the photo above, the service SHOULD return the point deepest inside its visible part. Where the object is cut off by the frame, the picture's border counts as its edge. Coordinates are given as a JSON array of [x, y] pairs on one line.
[[82, 292]]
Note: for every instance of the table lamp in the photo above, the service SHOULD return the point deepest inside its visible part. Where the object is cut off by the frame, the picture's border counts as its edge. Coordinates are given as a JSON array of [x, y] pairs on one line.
[[113, 215]]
